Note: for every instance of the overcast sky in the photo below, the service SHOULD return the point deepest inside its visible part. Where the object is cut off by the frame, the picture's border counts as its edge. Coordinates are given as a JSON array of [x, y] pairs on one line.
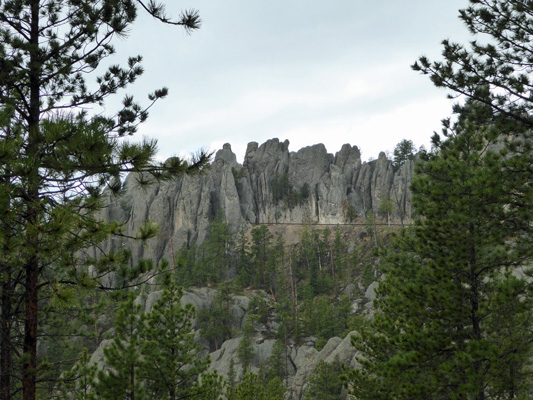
[[314, 71]]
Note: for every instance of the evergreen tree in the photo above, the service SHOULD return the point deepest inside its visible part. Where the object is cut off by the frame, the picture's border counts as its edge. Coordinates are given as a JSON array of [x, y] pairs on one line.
[[275, 278], [246, 351], [403, 152], [215, 321], [56, 159], [261, 240], [339, 255], [210, 386], [275, 389], [217, 246], [124, 376], [277, 363], [79, 382], [244, 265], [386, 207], [454, 318], [232, 375], [326, 383], [186, 273], [495, 70], [171, 359], [310, 259], [250, 387]]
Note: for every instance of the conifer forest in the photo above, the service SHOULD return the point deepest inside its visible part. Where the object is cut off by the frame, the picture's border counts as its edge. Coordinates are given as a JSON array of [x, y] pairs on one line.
[[413, 291]]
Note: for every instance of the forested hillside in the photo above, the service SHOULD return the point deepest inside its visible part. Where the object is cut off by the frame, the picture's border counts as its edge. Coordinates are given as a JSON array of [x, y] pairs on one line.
[[269, 295], [294, 275]]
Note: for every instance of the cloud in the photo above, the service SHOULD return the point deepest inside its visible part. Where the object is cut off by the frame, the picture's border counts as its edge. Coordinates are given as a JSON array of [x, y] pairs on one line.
[[332, 106]]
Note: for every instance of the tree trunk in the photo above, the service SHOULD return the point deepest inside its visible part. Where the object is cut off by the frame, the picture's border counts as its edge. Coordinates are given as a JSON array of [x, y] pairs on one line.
[[132, 381], [30, 331], [31, 265], [5, 337]]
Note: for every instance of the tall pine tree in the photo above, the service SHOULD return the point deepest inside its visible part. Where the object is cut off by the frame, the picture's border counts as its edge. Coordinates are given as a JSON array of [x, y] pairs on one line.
[[454, 316], [172, 363], [494, 69], [124, 375], [55, 158], [454, 312]]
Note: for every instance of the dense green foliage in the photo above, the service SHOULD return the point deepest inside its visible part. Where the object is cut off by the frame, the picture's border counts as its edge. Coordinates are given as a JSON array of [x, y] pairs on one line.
[[454, 318], [284, 193], [55, 161], [215, 322], [403, 152], [246, 350], [454, 313], [326, 383], [302, 281], [152, 354], [125, 374], [251, 387]]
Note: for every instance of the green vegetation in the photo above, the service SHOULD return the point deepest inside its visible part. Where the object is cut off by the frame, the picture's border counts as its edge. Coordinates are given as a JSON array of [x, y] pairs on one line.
[[152, 355], [403, 152], [215, 322], [238, 174], [125, 376], [252, 387], [200, 265], [301, 281], [326, 383], [284, 192], [454, 316], [277, 363], [246, 351], [351, 213], [386, 207], [324, 319], [56, 160]]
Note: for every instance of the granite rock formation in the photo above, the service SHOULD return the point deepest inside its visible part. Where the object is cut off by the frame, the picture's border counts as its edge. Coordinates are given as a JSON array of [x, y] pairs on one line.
[[273, 185]]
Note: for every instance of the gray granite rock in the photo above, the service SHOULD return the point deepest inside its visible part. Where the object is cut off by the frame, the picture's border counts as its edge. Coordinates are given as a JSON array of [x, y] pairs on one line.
[[184, 208]]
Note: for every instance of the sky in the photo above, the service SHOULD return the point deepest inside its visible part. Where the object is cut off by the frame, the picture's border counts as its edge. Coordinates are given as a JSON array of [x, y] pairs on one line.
[[313, 71]]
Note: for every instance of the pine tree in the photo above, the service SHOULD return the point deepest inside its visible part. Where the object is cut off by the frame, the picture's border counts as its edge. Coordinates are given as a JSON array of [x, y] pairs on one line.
[[246, 351], [244, 265], [171, 360], [494, 69], [56, 158], [232, 375], [277, 363], [275, 389], [215, 320], [403, 152], [261, 241], [454, 316], [124, 375], [250, 387], [210, 386], [311, 259], [79, 382], [218, 246], [325, 383]]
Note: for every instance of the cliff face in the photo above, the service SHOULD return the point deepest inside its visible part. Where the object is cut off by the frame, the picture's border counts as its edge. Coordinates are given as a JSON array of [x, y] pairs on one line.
[[301, 359], [273, 185]]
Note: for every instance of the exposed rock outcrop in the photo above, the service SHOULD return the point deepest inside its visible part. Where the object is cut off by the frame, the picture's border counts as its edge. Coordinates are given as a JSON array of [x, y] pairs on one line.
[[273, 185], [302, 358]]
